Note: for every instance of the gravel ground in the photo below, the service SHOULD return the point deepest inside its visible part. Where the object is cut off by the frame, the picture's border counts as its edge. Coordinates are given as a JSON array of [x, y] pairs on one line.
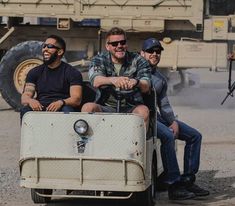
[[199, 106]]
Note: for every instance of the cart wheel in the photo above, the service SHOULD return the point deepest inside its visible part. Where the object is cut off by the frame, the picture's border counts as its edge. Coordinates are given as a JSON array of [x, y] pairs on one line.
[[39, 199], [148, 197]]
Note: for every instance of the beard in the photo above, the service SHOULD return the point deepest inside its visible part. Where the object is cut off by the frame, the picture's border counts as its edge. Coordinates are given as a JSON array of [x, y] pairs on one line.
[[154, 61], [118, 54], [51, 59]]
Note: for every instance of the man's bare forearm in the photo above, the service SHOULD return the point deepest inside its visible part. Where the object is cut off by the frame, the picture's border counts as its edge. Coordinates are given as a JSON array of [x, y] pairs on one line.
[[101, 80], [144, 86]]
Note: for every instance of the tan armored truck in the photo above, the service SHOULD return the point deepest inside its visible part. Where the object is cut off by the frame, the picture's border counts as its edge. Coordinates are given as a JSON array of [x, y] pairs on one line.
[[194, 33]]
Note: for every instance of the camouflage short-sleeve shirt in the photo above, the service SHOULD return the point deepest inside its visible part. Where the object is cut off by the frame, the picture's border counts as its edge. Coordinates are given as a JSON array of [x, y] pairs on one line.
[[134, 66]]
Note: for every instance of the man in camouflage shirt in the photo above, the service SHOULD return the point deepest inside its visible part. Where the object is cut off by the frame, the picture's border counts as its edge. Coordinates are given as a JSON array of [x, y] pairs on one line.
[[122, 69]]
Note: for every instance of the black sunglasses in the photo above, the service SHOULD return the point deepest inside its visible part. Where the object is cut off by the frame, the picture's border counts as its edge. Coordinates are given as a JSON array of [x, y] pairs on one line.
[[50, 46], [151, 51], [115, 43]]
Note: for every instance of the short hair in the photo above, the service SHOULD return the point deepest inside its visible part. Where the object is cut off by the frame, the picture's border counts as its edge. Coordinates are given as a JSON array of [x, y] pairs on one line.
[[59, 40], [115, 31]]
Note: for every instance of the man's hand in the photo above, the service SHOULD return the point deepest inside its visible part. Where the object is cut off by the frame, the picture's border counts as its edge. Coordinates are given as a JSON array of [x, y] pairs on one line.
[[124, 83], [133, 83], [175, 127], [231, 56], [54, 106], [35, 105]]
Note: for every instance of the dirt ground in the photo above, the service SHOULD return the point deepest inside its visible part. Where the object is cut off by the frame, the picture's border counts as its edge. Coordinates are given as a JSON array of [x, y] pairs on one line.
[[199, 106]]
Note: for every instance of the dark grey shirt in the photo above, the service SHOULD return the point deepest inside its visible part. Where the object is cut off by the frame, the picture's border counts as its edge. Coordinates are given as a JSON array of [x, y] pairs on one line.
[[159, 82]]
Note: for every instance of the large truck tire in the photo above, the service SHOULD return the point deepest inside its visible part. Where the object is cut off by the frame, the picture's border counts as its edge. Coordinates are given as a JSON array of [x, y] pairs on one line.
[[14, 67]]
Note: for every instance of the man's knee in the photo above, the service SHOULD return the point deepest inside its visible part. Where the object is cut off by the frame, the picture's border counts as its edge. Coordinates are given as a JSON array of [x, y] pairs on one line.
[[90, 107], [142, 110], [198, 136], [195, 136]]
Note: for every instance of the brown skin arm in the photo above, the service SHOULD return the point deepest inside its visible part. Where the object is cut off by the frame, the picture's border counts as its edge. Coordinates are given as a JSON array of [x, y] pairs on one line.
[[74, 100], [27, 98]]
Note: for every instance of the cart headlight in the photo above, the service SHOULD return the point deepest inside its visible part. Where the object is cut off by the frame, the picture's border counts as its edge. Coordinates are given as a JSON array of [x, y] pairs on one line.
[[81, 127]]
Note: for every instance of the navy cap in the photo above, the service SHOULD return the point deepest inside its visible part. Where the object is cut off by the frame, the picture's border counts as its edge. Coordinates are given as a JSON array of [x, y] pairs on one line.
[[151, 43]]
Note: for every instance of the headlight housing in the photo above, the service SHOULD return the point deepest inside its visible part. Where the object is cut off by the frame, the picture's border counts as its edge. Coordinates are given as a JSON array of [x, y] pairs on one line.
[[81, 127]]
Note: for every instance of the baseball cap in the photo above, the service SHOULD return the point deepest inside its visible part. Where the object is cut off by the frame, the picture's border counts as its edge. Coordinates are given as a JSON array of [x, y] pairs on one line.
[[151, 43]]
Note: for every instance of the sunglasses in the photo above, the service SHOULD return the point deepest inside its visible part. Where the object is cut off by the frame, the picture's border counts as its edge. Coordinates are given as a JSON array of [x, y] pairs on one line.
[[50, 46], [151, 51], [115, 43]]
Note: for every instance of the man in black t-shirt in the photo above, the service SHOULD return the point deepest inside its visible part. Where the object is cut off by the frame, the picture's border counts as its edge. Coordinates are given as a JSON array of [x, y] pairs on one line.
[[58, 86]]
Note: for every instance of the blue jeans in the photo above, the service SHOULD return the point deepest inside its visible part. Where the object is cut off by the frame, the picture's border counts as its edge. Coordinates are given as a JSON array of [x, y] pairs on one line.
[[192, 149], [65, 109]]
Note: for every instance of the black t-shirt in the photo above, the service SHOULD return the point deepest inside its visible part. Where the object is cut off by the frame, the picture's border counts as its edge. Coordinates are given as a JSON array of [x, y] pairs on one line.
[[53, 84]]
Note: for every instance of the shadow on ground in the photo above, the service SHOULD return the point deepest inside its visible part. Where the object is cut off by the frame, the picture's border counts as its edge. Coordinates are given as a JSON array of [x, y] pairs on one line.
[[221, 192]]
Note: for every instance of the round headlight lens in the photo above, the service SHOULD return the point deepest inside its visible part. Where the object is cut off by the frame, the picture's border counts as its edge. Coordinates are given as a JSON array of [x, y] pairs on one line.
[[81, 127]]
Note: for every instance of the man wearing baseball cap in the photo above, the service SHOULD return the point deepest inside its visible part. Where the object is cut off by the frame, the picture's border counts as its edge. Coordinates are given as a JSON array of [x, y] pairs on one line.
[[180, 187]]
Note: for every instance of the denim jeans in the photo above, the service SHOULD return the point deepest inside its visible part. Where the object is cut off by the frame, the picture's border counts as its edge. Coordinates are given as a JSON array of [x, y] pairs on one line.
[[65, 109], [192, 149]]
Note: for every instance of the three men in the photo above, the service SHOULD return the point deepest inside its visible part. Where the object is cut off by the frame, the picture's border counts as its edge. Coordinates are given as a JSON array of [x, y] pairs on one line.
[[58, 88], [57, 85], [169, 129]]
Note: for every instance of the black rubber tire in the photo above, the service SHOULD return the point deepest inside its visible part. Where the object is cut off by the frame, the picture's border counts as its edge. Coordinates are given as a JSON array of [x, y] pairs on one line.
[[39, 199], [9, 62]]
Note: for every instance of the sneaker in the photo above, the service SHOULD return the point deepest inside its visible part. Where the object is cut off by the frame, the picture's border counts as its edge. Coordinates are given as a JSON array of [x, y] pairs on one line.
[[198, 191], [179, 193]]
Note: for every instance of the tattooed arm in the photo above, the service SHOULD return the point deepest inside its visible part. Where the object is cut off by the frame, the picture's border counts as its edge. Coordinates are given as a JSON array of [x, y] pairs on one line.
[[27, 97]]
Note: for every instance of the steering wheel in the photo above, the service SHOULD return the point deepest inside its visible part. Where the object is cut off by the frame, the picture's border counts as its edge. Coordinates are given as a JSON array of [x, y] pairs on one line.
[[117, 92], [106, 90]]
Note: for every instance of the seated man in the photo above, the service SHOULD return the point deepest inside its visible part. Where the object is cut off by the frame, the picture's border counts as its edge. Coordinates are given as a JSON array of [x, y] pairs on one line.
[[168, 129], [123, 70], [58, 86]]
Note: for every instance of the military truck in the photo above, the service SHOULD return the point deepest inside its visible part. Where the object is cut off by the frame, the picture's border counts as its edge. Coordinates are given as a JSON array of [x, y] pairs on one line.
[[194, 33]]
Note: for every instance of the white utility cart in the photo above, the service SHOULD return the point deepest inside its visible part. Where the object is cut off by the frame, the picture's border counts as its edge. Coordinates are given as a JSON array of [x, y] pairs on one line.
[[98, 155]]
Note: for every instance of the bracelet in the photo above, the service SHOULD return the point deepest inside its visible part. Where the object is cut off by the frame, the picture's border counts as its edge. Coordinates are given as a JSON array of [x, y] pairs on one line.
[[137, 82], [64, 103]]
